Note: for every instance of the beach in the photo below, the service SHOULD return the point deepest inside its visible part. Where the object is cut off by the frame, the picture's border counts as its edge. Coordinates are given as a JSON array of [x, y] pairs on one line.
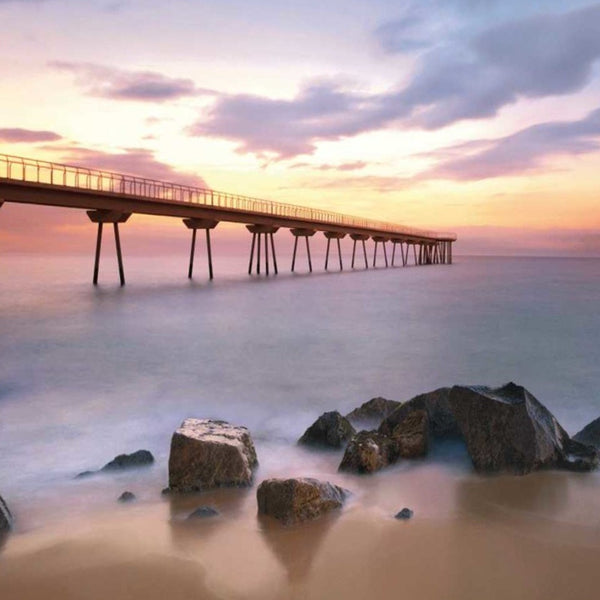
[[91, 373]]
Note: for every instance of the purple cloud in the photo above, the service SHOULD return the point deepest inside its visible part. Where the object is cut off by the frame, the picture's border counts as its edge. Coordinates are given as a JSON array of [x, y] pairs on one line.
[[17, 135], [521, 152], [131, 161], [542, 55], [117, 84]]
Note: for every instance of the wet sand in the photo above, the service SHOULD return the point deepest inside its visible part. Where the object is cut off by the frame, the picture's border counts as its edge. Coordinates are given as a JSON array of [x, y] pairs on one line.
[[471, 537]]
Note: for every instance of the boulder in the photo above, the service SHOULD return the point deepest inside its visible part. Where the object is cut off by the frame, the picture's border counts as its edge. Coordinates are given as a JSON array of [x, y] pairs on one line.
[[373, 411], [439, 414], [508, 429], [295, 500], [330, 429], [411, 435], [206, 454], [590, 434], [126, 497], [367, 452], [139, 458], [6, 519]]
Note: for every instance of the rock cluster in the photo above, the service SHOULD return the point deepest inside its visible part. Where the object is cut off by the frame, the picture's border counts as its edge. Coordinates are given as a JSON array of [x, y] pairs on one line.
[[505, 429], [294, 500], [207, 454], [330, 430]]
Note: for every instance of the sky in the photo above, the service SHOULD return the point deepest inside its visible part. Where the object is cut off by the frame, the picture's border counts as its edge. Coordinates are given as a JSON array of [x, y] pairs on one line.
[[480, 117]]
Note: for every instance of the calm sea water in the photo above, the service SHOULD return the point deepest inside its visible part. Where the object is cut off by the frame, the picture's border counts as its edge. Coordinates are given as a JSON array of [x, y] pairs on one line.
[[87, 373]]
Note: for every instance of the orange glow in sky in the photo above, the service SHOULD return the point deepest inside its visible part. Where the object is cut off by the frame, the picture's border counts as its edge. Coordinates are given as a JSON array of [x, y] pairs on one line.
[[451, 115]]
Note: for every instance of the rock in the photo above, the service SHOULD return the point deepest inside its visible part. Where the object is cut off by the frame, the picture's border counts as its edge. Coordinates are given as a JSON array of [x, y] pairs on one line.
[[437, 406], [206, 454], [411, 435], [590, 434], [126, 497], [368, 451], [330, 429], [165, 491], [509, 429], [203, 512], [373, 411], [140, 458], [6, 519], [404, 514], [295, 500]]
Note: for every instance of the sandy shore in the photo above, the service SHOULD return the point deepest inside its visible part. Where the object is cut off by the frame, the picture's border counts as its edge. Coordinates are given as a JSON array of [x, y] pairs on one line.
[[502, 537]]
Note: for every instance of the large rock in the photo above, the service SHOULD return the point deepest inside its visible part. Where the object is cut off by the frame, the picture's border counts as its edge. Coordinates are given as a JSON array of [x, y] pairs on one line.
[[590, 434], [330, 429], [411, 435], [5, 517], [206, 454], [294, 500], [509, 429], [367, 452], [373, 411], [439, 414]]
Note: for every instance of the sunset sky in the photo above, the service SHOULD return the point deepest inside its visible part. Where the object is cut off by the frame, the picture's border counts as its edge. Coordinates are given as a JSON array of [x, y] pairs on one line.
[[475, 116]]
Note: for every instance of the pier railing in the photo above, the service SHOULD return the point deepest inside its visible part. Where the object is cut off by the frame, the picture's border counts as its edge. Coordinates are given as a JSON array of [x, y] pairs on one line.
[[34, 171]]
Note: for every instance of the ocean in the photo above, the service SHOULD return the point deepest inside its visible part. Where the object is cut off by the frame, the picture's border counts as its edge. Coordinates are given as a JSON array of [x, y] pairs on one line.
[[91, 372]]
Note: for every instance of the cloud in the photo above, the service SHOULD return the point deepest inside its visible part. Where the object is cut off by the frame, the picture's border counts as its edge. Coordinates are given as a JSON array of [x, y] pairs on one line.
[[350, 166], [118, 84], [287, 128], [17, 135], [132, 161], [470, 78], [521, 152]]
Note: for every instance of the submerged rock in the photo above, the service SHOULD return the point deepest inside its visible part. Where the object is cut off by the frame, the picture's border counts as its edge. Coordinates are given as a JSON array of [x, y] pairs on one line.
[[6, 519], [139, 458], [590, 434], [203, 512], [330, 429], [295, 500], [411, 435], [367, 452], [373, 411], [439, 413], [509, 429], [404, 514], [206, 454], [126, 497]]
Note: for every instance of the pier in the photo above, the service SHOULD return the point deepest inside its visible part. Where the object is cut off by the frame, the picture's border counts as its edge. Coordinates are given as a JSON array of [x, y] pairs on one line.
[[111, 198]]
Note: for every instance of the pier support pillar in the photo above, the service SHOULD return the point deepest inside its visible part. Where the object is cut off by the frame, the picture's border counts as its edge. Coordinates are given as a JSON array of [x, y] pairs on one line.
[[108, 216], [262, 233], [401, 242], [194, 225], [380, 239], [305, 233], [359, 237], [333, 235]]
